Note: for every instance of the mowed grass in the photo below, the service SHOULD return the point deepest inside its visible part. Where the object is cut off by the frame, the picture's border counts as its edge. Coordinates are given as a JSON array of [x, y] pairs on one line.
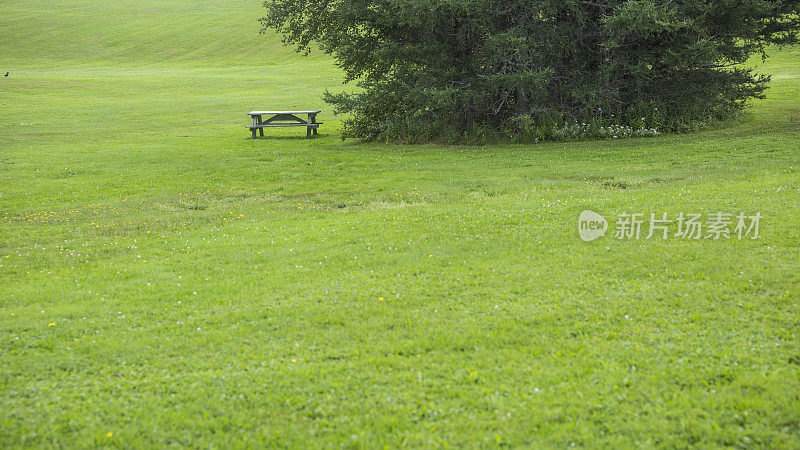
[[165, 280]]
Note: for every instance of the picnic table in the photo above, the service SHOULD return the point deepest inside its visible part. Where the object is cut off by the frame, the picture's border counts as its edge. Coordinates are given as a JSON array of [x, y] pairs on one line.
[[284, 119]]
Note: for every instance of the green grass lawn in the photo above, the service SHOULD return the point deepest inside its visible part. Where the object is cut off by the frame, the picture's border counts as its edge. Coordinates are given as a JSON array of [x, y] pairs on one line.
[[165, 280]]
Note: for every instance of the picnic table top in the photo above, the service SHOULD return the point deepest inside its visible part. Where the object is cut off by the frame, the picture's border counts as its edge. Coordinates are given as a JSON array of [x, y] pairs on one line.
[[261, 113]]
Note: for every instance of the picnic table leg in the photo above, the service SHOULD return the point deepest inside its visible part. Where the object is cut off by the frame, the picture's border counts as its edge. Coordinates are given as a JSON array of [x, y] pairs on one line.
[[308, 128], [260, 130], [314, 120], [256, 121]]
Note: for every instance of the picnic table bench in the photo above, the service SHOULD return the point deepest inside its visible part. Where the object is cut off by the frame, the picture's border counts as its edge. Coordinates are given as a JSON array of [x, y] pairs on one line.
[[284, 119]]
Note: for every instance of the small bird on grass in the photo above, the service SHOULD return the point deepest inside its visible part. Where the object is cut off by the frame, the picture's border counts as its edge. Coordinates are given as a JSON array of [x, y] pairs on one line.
[[6, 74]]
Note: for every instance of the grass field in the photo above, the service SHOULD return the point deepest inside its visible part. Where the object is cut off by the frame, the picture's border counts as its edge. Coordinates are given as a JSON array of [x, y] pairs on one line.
[[167, 281]]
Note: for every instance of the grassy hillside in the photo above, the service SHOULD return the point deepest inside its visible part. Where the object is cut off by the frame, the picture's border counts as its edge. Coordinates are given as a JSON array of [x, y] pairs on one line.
[[168, 281], [196, 33]]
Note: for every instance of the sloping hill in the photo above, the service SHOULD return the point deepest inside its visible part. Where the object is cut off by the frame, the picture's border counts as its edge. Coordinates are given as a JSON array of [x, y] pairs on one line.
[[201, 33]]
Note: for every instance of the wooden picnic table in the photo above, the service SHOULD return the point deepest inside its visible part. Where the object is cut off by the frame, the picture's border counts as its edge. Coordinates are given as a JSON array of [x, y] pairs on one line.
[[284, 119]]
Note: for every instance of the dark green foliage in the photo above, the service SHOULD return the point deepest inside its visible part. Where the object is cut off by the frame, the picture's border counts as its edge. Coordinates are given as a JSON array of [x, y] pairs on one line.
[[448, 69]]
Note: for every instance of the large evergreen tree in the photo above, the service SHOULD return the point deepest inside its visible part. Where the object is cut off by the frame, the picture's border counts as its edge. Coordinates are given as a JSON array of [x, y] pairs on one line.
[[446, 69]]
